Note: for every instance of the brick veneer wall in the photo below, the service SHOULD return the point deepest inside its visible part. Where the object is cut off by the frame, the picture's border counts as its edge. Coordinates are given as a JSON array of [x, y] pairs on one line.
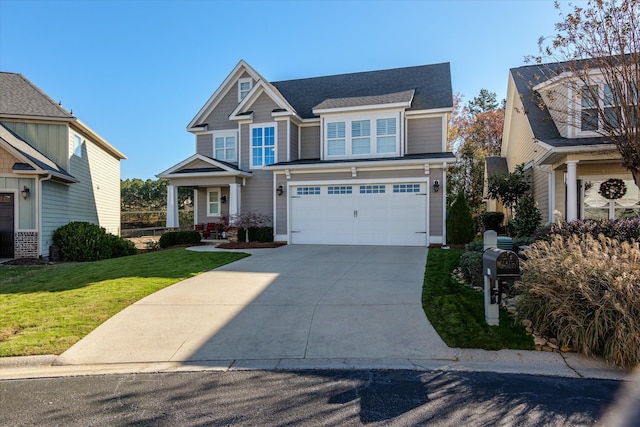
[[26, 244]]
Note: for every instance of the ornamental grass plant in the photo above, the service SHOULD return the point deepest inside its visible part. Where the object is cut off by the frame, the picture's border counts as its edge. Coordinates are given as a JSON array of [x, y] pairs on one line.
[[585, 291]]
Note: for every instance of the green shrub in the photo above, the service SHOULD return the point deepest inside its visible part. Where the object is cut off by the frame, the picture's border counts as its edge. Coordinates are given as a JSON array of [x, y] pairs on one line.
[[168, 239], [256, 234], [527, 217], [264, 234], [83, 241], [492, 221], [460, 228], [121, 246], [188, 237], [586, 293], [471, 267], [475, 246]]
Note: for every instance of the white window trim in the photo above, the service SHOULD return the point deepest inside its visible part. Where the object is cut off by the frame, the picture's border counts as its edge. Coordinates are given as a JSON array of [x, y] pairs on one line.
[[209, 191], [225, 134], [373, 137], [579, 133], [244, 80], [275, 146], [77, 150]]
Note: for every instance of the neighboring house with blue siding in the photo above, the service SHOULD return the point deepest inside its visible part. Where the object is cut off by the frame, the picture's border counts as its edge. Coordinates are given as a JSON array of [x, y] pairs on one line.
[[356, 158], [54, 169]]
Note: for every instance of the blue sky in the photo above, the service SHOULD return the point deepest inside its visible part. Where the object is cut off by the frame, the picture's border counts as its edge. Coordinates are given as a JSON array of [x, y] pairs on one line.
[[137, 71]]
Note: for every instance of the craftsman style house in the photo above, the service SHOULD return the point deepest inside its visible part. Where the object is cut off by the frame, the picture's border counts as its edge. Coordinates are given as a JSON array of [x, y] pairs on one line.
[[345, 159], [53, 170], [567, 158]]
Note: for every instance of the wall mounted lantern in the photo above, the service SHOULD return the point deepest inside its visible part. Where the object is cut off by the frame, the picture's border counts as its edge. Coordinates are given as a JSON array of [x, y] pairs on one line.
[[436, 185], [280, 190], [25, 192], [223, 198]]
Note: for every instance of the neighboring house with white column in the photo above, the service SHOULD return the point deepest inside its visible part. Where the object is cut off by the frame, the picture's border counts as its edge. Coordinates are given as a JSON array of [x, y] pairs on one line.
[[355, 158], [54, 169], [566, 156]]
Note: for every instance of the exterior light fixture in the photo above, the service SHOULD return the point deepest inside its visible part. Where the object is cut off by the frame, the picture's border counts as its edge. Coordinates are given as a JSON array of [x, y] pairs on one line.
[[25, 192], [280, 190], [223, 198], [436, 185]]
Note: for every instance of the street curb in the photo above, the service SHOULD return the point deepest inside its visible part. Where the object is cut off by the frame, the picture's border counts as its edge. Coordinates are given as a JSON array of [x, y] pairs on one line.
[[27, 361]]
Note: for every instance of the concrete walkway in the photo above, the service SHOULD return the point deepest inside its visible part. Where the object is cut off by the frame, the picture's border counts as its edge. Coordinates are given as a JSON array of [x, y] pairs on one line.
[[295, 307]]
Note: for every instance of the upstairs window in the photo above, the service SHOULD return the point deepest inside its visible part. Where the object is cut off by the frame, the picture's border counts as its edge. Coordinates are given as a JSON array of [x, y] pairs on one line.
[[263, 145], [224, 146], [358, 138], [597, 98], [244, 86]]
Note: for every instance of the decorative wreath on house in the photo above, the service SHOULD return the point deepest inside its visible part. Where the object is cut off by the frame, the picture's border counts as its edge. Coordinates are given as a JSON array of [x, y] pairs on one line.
[[613, 188]]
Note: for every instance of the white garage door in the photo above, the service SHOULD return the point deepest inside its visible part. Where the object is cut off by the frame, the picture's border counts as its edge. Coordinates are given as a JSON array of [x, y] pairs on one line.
[[362, 214]]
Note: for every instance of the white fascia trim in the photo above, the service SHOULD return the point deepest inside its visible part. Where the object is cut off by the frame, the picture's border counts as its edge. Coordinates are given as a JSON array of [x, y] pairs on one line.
[[431, 112], [40, 172], [39, 119], [310, 122], [392, 164], [222, 90], [97, 139], [229, 171], [574, 149], [393, 106], [356, 181], [205, 175], [552, 81]]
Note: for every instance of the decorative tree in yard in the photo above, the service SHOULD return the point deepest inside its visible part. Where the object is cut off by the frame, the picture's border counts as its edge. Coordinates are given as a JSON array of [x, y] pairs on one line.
[[598, 50], [460, 227], [475, 131]]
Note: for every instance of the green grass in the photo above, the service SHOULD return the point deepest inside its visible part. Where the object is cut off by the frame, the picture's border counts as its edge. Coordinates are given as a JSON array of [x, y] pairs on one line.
[[47, 309], [457, 311]]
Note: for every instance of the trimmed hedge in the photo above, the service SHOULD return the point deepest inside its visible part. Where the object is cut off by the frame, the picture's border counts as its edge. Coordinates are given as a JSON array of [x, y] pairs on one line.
[[173, 238], [256, 234], [83, 241]]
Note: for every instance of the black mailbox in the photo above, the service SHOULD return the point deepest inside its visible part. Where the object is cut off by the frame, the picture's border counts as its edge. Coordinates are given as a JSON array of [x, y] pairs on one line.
[[500, 264]]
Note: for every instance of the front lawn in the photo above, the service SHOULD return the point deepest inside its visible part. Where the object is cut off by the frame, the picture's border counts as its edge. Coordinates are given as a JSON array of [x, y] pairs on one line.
[[457, 311], [47, 309]]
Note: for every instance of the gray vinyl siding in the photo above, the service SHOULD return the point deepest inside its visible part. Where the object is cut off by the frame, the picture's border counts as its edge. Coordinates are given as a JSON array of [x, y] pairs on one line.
[[52, 140], [293, 146], [282, 149], [310, 142], [26, 208], [102, 186], [262, 109], [257, 196], [62, 204], [435, 203], [219, 117], [204, 144], [424, 135], [281, 207]]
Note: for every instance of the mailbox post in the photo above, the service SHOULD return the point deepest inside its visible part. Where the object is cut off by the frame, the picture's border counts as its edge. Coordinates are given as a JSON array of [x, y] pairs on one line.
[[498, 265]]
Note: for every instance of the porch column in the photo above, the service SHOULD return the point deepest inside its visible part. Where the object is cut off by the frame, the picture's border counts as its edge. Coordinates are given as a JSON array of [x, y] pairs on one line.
[[572, 191], [234, 201], [172, 206]]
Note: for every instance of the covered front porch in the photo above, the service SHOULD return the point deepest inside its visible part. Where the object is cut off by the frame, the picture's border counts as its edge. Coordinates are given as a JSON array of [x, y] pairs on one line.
[[217, 189]]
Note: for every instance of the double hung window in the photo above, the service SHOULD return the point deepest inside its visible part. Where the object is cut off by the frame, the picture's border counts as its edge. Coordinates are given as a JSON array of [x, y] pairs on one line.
[[595, 98], [224, 146], [373, 137], [213, 202], [263, 145], [244, 86]]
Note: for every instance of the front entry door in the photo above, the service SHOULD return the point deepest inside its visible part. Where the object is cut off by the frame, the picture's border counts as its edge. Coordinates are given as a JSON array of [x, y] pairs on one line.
[[6, 225]]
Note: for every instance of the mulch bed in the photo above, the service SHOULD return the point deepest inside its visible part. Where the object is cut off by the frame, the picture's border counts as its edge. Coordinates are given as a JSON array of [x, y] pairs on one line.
[[250, 245]]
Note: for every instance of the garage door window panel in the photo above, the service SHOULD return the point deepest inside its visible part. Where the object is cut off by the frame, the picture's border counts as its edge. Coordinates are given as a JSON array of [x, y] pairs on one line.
[[308, 191], [340, 189], [406, 188], [372, 189]]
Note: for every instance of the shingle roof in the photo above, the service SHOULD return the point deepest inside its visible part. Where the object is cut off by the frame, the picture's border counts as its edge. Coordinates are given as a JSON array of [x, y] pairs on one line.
[[432, 85], [543, 127], [392, 98], [20, 97]]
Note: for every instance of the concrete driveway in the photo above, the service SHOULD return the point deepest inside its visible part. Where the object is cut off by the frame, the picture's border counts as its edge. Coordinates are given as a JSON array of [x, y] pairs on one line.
[[301, 303]]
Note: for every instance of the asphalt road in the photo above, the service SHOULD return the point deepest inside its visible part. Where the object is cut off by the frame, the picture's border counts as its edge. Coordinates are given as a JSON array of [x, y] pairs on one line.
[[318, 398]]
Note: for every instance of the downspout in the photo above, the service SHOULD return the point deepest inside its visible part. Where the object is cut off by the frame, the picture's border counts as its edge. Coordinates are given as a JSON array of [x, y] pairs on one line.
[[39, 212]]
